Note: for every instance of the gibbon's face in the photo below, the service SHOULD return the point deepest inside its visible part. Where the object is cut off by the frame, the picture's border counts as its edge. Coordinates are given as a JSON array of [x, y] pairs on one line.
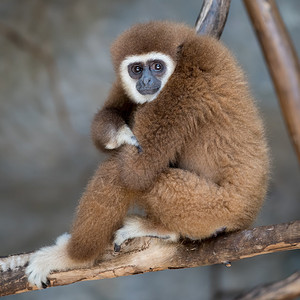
[[144, 76]]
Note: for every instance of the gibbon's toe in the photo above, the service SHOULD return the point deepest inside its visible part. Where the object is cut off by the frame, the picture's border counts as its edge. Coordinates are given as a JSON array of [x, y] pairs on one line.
[[219, 231], [37, 276], [134, 140], [121, 236], [135, 143], [132, 228], [117, 248], [45, 285]]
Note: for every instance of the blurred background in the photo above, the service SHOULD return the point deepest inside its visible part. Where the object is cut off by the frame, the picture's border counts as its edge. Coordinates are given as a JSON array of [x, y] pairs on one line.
[[55, 73]]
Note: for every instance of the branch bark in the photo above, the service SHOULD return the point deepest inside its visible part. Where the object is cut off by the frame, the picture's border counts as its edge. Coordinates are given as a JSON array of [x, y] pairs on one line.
[[281, 59], [212, 17], [149, 255], [288, 288]]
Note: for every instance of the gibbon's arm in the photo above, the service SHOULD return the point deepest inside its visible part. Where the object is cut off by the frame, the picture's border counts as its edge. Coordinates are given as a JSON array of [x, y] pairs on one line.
[[109, 129], [161, 128]]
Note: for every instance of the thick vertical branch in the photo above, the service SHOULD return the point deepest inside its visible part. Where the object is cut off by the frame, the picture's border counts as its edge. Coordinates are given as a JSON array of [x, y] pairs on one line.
[[212, 17], [281, 59]]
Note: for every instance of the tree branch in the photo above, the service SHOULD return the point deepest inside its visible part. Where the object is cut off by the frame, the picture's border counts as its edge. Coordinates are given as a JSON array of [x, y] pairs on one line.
[[148, 255], [212, 17], [288, 288], [282, 61]]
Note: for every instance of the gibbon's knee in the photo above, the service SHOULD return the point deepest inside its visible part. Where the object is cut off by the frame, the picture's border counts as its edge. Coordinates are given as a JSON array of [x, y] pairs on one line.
[[196, 207], [100, 213]]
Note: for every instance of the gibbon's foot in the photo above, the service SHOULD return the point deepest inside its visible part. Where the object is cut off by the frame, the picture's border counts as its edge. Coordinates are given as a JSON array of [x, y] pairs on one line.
[[135, 226], [51, 258], [219, 231], [43, 261]]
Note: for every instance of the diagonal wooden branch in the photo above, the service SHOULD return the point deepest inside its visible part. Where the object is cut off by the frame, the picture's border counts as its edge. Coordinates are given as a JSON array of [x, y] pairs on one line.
[[289, 288], [149, 255]]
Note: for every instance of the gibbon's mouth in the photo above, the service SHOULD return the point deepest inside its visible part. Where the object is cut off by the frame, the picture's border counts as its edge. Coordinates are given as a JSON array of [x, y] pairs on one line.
[[148, 91]]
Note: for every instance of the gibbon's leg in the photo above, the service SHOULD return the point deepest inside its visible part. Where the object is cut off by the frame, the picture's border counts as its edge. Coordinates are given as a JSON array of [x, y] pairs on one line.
[[182, 203], [197, 208], [100, 213]]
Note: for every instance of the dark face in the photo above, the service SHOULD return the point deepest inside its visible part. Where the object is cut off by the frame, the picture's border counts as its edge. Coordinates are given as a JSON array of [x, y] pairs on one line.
[[148, 75]]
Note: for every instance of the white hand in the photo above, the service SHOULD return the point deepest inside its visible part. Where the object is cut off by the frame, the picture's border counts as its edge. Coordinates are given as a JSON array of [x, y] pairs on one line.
[[123, 136]]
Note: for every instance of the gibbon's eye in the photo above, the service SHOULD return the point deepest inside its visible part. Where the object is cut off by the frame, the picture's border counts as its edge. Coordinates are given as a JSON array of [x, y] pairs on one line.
[[136, 69], [157, 66]]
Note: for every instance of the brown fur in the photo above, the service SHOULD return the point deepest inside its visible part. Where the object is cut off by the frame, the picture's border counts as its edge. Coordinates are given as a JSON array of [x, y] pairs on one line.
[[116, 112], [204, 122]]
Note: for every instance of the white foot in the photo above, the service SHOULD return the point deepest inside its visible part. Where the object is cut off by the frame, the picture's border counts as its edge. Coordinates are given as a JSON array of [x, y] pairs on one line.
[[50, 258], [137, 227]]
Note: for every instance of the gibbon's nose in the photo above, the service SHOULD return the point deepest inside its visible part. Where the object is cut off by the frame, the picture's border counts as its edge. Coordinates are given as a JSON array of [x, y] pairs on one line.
[[147, 79]]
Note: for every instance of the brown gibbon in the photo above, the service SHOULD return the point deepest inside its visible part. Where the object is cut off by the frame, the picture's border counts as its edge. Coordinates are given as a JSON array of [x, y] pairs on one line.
[[186, 144]]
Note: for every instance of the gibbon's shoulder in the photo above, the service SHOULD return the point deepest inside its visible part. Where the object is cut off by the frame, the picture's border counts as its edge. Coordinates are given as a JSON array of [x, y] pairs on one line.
[[207, 54]]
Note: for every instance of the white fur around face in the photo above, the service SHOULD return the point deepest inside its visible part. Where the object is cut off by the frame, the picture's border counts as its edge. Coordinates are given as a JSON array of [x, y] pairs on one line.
[[129, 84], [50, 258], [124, 135]]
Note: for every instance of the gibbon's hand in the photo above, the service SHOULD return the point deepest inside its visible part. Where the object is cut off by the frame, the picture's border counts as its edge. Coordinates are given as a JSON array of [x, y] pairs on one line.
[[122, 136], [161, 136]]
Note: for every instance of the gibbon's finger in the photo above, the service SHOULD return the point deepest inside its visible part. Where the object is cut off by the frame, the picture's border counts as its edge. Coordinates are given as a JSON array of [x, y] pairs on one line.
[[139, 148], [45, 285], [136, 144]]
